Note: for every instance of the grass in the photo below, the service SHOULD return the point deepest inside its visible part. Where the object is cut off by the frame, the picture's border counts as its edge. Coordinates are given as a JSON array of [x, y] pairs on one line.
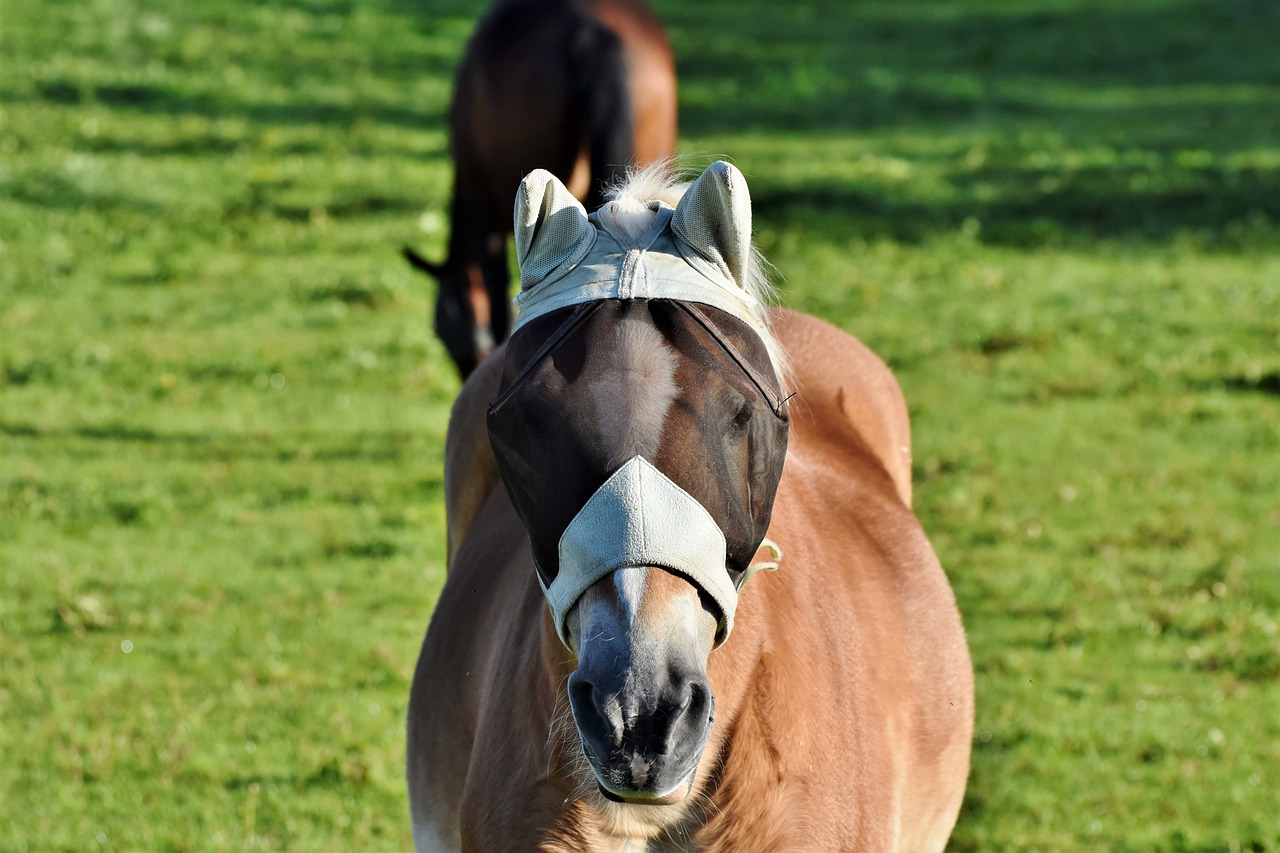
[[222, 410]]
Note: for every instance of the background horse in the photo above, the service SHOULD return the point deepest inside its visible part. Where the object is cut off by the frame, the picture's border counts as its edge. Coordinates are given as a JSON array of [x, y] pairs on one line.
[[583, 88], [641, 444]]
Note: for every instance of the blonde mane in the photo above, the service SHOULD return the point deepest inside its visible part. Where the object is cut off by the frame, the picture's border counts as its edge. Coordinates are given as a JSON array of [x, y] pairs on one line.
[[632, 203]]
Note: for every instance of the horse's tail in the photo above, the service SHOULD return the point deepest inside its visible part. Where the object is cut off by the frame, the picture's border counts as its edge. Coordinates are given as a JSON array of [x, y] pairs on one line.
[[605, 100]]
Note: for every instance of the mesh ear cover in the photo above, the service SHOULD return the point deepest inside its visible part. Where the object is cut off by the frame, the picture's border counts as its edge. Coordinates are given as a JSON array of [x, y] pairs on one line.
[[714, 219], [551, 227]]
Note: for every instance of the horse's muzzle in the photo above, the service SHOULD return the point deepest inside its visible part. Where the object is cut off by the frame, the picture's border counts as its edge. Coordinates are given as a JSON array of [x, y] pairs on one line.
[[643, 741]]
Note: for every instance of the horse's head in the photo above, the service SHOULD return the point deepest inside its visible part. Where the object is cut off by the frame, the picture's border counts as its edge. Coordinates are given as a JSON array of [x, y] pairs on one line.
[[640, 431], [472, 315]]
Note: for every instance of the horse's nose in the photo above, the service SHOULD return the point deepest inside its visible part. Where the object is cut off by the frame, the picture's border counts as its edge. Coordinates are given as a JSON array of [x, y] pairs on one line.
[[643, 738], [643, 717], [680, 714]]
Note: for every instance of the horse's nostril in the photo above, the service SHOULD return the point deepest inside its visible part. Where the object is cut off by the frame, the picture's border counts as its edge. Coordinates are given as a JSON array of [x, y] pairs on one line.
[[594, 720], [702, 704], [580, 691], [677, 715], [699, 697]]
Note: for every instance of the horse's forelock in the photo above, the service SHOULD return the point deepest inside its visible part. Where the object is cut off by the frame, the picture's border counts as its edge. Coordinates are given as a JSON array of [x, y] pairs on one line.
[[663, 181], [629, 203]]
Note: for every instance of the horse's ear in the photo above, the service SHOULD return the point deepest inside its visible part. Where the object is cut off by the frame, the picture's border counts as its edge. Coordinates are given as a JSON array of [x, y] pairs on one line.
[[713, 218], [550, 226]]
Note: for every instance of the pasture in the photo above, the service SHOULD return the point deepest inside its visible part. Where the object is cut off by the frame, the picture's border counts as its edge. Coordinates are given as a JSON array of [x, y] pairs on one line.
[[222, 408]]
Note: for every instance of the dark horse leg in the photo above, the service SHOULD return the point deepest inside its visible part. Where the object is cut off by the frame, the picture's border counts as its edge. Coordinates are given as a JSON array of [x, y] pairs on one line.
[[497, 281], [600, 71], [473, 311]]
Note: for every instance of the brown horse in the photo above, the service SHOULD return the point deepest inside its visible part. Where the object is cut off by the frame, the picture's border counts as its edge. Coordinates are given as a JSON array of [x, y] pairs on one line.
[[584, 88], [598, 675]]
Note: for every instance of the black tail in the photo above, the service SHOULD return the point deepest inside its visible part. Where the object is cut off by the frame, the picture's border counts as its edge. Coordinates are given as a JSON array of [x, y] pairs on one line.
[[418, 262], [601, 73]]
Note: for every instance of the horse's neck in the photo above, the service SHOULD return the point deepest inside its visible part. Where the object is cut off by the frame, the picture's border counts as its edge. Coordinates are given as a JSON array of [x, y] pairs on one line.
[[582, 828]]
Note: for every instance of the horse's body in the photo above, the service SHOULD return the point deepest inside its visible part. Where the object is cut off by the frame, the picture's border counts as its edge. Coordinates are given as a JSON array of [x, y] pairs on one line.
[[843, 699], [582, 88]]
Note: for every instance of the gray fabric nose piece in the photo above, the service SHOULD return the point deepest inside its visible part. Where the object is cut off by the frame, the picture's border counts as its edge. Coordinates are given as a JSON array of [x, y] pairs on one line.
[[640, 517]]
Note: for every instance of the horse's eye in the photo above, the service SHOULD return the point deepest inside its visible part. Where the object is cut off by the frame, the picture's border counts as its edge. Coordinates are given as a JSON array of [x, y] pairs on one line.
[[743, 418]]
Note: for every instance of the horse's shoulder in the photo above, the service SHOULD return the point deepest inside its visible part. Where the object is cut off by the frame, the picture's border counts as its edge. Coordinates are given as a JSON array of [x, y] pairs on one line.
[[844, 394], [470, 472]]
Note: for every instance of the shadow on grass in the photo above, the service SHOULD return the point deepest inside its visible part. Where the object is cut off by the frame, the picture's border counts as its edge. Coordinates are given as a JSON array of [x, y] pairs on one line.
[[170, 101], [1159, 78], [1226, 211], [53, 190], [369, 446], [836, 65]]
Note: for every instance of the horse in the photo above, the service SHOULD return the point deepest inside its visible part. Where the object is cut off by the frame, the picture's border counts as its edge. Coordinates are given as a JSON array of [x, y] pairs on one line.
[[583, 88], [688, 605]]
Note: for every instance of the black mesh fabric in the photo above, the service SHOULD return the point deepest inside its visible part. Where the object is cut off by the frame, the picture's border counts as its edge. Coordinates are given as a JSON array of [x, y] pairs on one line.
[[723, 438]]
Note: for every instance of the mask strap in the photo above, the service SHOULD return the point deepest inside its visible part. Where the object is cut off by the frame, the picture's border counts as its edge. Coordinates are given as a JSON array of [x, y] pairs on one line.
[[771, 397], [769, 565], [581, 313]]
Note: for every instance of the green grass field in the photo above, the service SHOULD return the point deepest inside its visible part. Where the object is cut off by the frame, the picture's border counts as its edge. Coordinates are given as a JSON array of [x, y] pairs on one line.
[[222, 408]]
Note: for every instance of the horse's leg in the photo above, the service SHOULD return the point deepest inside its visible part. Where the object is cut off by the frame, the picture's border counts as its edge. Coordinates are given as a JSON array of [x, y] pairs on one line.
[[600, 73], [497, 284], [480, 246]]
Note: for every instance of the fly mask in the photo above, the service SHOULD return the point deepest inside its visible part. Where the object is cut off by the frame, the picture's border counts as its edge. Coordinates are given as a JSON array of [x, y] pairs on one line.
[[640, 420]]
